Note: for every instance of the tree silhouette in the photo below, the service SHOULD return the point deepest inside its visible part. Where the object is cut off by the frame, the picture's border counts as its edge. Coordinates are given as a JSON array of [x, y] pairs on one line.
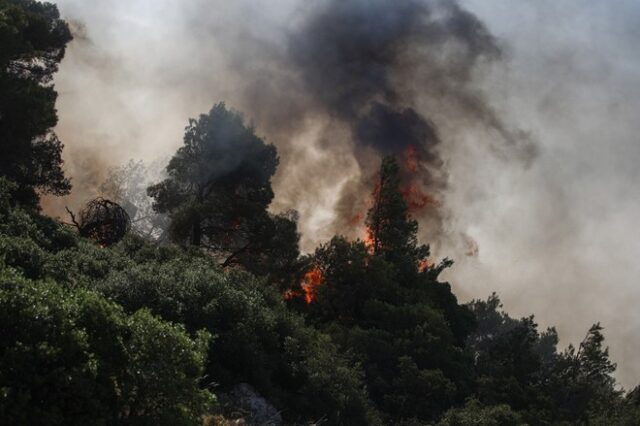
[[392, 232], [218, 190], [32, 43]]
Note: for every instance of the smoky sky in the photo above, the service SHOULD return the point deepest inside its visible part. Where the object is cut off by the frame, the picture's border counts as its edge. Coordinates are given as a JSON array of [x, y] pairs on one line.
[[348, 51], [523, 115], [355, 60]]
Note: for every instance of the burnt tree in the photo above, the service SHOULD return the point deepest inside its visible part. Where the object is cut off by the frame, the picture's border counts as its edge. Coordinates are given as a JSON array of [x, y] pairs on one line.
[[103, 221]]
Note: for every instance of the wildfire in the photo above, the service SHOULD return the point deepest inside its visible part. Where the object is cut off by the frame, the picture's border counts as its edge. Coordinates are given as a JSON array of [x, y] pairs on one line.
[[368, 240], [424, 264], [356, 219], [411, 159], [416, 199], [291, 294], [310, 283]]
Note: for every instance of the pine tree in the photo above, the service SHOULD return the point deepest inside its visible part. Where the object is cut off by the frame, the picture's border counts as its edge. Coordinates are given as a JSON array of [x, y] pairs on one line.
[[392, 232], [32, 44], [218, 190]]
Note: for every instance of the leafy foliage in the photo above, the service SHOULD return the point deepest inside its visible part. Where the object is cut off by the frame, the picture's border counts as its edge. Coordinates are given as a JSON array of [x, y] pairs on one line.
[[218, 190], [75, 358], [404, 326], [32, 43], [518, 366], [257, 339], [476, 414]]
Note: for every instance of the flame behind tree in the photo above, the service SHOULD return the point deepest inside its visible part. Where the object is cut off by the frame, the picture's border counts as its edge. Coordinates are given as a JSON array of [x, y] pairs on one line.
[[392, 233], [381, 300], [310, 283]]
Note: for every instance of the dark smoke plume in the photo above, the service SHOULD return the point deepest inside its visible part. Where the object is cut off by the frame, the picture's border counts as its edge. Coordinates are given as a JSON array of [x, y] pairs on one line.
[[338, 86], [344, 83], [367, 65]]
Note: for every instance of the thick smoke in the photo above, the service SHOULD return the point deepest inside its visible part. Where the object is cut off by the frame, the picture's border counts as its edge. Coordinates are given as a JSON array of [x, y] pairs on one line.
[[377, 69], [337, 84]]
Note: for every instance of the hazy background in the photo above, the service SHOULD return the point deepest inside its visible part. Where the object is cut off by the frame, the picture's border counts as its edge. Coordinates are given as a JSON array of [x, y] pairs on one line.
[[555, 231]]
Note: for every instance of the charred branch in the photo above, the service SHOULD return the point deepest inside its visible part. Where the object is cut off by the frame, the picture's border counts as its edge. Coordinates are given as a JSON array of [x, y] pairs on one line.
[[102, 220]]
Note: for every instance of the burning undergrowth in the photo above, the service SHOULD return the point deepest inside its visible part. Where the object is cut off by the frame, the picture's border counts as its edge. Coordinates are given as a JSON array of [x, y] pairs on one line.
[[310, 282]]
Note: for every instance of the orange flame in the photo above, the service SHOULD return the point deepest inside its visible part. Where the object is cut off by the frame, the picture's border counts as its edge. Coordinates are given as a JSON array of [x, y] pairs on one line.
[[368, 240], [416, 199], [291, 294], [424, 264], [310, 283], [413, 194], [411, 159]]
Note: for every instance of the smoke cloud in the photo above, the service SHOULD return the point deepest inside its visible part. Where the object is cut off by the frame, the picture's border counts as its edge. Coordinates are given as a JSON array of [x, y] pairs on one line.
[[541, 216], [357, 64]]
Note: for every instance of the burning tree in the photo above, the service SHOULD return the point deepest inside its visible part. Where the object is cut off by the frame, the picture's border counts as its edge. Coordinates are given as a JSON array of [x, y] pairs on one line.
[[391, 232], [391, 237], [103, 221], [381, 299]]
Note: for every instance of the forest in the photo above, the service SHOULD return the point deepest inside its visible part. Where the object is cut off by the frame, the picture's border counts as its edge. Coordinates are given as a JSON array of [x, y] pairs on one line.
[[189, 302]]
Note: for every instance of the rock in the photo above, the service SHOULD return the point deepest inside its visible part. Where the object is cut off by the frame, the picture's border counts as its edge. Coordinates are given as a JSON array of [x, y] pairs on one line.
[[259, 411]]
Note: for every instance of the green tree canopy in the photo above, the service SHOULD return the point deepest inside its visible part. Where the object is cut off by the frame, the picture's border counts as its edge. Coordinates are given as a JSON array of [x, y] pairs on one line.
[[75, 358], [518, 366], [218, 191], [32, 43], [404, 326], [257, 339]]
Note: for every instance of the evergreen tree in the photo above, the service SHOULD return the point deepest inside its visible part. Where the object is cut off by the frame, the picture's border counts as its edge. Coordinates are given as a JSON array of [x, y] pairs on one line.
[[218, 190], [32, 44], [72, 357], [392, 233], [405, 327], [582, 383]]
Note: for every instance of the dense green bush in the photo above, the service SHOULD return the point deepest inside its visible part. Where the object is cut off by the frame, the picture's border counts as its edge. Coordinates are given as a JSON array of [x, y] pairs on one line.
[[256, 338], [75, 358], [415, 365], [476, 414]]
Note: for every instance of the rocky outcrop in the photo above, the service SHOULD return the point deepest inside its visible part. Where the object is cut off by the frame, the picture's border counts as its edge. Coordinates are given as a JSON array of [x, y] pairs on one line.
[[256, 410]]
